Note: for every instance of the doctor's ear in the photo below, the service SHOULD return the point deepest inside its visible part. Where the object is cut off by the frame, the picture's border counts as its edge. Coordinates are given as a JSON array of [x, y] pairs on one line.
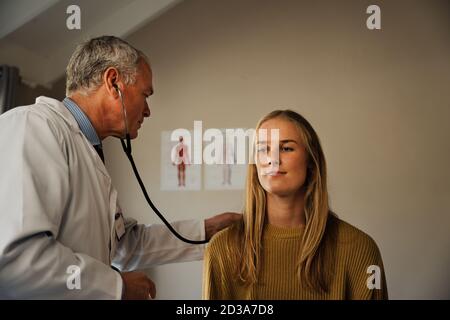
[[112, 80]]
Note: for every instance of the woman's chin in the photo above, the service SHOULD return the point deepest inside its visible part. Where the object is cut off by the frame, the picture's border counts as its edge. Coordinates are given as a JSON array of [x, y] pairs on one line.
[[280, 192]]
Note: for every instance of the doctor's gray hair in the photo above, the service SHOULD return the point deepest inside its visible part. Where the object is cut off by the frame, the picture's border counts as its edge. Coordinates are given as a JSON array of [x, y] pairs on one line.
[[91, 59]]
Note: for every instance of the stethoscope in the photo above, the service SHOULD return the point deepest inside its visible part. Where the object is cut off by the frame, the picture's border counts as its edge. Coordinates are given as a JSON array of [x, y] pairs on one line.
[[126, 146]]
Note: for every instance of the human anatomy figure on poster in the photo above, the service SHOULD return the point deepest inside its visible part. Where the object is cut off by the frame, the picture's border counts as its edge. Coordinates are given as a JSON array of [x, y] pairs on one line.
[[180, 158], [229, 158]]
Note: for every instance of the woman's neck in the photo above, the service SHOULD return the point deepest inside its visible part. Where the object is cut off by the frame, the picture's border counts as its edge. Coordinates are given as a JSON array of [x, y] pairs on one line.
[[286, 211]]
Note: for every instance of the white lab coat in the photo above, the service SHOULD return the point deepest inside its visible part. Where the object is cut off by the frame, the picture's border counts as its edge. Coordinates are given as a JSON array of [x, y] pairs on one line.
[[57, 209]]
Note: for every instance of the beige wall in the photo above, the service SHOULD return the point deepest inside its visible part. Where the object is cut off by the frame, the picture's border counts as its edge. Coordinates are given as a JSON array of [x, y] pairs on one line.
[[27, 95], [379, 101]]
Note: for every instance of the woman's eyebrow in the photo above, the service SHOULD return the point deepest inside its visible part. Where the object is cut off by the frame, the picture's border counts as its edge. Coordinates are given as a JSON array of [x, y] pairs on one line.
[[281, 141], [288, 140]]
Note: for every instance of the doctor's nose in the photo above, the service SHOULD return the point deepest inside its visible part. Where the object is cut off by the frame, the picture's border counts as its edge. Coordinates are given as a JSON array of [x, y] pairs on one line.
[[147, 110]]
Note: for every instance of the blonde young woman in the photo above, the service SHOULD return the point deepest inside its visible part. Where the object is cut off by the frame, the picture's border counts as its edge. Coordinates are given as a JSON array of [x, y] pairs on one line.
[[289, 244]]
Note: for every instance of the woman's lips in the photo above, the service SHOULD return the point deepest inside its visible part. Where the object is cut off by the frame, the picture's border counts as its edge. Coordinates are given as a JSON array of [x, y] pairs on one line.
[[274, 173]]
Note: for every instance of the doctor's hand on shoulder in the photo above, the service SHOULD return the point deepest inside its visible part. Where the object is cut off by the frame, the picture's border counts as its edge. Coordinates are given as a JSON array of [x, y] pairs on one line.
[[219, 222], [137, 286]]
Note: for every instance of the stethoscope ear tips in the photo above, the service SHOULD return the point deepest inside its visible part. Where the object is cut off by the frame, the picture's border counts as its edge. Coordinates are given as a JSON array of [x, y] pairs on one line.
[[118, 90]]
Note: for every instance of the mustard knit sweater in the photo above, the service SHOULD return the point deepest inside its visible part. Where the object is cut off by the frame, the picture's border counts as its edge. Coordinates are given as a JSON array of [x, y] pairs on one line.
[[355, 251]]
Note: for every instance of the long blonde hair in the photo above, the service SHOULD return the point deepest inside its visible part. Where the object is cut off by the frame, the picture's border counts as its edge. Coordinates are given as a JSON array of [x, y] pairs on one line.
[[312, 258]]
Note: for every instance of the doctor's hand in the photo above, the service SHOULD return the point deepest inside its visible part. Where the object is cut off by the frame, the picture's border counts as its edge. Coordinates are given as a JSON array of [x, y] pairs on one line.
[[219, 222], [137, 286]]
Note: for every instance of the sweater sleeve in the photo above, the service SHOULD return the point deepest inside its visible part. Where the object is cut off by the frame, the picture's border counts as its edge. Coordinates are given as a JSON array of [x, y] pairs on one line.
[[366, 276], [216, 270]]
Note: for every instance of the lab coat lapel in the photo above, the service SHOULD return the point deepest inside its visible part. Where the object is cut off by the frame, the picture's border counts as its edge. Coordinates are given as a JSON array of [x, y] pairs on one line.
[[59, 108]]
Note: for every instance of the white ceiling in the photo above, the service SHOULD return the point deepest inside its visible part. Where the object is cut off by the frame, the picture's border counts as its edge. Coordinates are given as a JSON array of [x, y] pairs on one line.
[[35, 38]]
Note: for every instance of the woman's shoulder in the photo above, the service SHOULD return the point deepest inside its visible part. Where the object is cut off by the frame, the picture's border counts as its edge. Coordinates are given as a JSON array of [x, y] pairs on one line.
[[359, 260], [351, 237], [226, 237]]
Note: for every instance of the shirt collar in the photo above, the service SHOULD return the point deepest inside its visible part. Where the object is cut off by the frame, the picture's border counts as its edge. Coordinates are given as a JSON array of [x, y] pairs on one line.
[[83, 121]]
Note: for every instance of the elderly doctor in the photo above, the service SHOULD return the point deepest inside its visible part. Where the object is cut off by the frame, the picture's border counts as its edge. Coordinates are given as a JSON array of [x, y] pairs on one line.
[[58, 207]]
